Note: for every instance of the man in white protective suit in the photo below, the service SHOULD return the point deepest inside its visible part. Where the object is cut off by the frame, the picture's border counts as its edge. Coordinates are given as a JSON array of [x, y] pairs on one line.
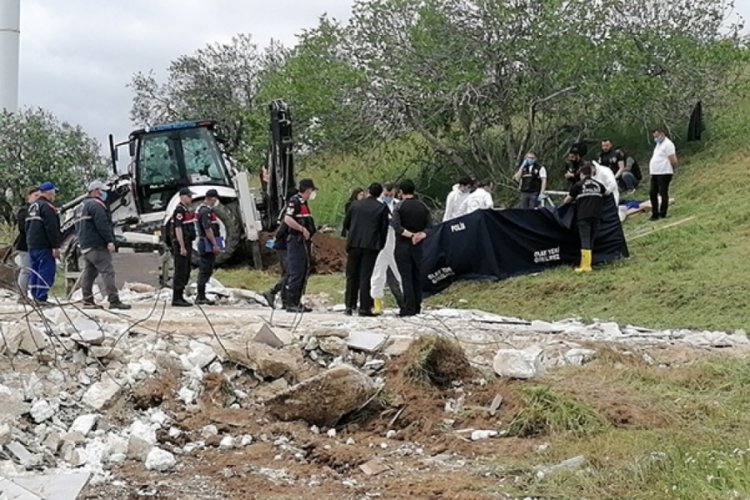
[[386, 270], [456, 198], [605, 176]]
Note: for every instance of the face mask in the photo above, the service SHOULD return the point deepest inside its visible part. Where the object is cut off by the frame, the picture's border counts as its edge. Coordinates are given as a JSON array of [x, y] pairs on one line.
[[103, 196], [313, 195], [388, 200], [530, 161], [658, 140]]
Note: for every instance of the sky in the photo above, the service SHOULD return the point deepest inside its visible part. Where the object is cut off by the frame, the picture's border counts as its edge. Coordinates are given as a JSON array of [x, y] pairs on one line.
[[77, 56]]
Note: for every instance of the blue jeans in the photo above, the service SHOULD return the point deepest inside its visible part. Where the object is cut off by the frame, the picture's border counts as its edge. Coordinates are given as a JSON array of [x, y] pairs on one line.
[[43, 273]]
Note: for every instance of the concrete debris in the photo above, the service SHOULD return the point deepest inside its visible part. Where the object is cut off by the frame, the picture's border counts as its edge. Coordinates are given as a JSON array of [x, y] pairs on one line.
[[578, 356], [322, 400], [160, 460], [374, 467], [570, 464], [6, 433], [23, 337], [209, 430], [329, 332], [333, 346], [246, 440], [102, 352], [23, 455], [274, 337], [479, 435], [101, 393], [227, 443], [201, 355], [516, 363], [187, 395], [495, 405], [366, 341], [84, 423], [142, 439], [261, 358], [42, 410]]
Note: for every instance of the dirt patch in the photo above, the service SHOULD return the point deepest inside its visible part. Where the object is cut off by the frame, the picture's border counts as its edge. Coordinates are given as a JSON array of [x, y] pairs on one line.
[[436, 361], [329, 254], [154, 391]]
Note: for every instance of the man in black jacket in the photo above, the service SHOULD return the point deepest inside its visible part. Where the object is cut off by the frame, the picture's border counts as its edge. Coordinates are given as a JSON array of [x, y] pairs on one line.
[[43, 239], [210, 244], [96, 239], [23, 259], [410, 220], [366, 224]]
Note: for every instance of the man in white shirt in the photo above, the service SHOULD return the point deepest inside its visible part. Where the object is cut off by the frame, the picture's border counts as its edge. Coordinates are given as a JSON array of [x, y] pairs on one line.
[[480, 199], [661, 167], [456, 198]]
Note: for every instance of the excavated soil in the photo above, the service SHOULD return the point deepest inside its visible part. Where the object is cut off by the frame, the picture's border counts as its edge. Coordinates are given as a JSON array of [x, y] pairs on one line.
[[328, 254]]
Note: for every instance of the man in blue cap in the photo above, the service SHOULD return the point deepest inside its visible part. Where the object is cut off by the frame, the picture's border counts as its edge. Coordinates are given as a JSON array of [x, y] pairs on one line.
[[43, 239], [97, 242]]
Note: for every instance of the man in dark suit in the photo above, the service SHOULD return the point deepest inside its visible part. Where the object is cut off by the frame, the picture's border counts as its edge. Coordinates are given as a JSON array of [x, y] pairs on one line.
[[366, 224]]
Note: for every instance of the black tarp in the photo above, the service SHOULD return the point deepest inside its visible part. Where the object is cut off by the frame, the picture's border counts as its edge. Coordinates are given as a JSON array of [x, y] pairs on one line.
[[498, 244]]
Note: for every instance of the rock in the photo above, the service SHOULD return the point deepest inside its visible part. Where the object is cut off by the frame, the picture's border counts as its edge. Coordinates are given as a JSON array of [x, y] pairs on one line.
[[322, 400], [495, 405], [74, 438], [52, 442], [101, 393], [24, 457], [42, 410], [186, 395], [160, 460], [516, 363], [142, 440], [397, 346], [6, 433], [84, 423], [331, 433], [23, 337], [366, 341], [334, 346], [329, 332], [209, 430], [227, 443], [102, 352], [139, 287], [200, 355], [579, 356], [478, 435], [247, 439], [374, 467], [261, 358], [609, 330], [566, 465], [92, 336], [274, 337]]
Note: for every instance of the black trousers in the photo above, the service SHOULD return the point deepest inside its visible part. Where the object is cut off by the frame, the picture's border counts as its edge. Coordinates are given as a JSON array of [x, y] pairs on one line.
[[297, 266], [587, 232], [279, 286], [395, 287], [181, 271], [205, 270], [660, 187], [360, 262], [409, 262]]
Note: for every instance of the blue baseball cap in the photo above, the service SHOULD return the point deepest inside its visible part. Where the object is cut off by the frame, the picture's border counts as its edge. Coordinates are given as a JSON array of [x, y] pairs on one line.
[[47, 186]]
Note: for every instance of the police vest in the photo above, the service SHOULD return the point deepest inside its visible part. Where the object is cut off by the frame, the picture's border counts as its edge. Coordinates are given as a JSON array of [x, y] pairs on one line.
[[531, 182]]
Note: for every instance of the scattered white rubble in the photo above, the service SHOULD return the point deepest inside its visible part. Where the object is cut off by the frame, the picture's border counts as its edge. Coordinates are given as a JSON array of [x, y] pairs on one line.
[[101, 393], [84, 423], [566, 465], [160, 460], [518, 363], [42, 410], [227, 443], [479, 435]]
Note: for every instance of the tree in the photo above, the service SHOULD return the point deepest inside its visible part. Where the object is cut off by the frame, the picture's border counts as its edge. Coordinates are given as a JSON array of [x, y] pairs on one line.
[[219, 82], [483, 81], [35, 146]]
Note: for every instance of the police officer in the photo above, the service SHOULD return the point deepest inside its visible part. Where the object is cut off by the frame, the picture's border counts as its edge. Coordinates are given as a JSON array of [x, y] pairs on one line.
[[587, 194], [43, 239], [573, 165], [209, 245], [182, 243], [22, 259], [301, 226], [279, 244], [410, 220], [533, 177], [97, 242]]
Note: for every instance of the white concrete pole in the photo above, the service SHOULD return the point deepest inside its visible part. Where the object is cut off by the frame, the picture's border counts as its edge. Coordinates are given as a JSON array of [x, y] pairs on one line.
[[10, 31]]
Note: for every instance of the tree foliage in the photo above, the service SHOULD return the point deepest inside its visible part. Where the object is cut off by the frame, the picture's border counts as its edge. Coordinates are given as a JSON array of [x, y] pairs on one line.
[[35, 147]]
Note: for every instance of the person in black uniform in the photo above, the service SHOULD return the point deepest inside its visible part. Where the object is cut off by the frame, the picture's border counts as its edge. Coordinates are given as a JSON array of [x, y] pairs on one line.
[[587, 195], [572, 166], [366, 224], [43, 239], [279, 244], [299, 220], [617, 161], [97, 242], [22, 258], [410, 220], [209, 245], [533, 177], [182, 245]]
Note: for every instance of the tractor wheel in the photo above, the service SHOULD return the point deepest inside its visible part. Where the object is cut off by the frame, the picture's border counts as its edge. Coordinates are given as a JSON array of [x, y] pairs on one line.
[[231, 230]]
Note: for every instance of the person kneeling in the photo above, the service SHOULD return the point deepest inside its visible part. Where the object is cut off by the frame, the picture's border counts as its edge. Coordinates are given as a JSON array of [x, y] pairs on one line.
[[587, 194]]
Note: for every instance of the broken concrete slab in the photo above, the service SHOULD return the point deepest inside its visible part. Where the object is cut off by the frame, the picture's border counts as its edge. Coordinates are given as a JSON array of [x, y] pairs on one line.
[[42, 410], [566, 465], [374, 467], [23, 455], [398, 345], [366, 341], [274, 337], [517, 363], [101, 393], [265, 360], [24, 337], [200, 355], [579, 356], [9, 490], [323, 399], [329, 332], [160, 460], [495, 405], [333, 346], [84, 423], [63, 486], [103, 352]]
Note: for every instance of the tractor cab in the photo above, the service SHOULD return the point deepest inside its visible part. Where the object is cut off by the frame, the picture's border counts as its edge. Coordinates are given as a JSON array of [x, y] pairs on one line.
[[168, 157]]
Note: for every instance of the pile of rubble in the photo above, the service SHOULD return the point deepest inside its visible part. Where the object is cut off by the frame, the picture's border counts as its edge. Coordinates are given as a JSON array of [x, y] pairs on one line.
[[70, 406]]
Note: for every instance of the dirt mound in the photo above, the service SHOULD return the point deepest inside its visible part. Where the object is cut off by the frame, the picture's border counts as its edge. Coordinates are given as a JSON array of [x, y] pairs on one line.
[[329, 254], [435, 360]]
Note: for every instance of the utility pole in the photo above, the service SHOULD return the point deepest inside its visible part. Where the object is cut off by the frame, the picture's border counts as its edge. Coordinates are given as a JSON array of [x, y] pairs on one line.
[[10, 33]]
